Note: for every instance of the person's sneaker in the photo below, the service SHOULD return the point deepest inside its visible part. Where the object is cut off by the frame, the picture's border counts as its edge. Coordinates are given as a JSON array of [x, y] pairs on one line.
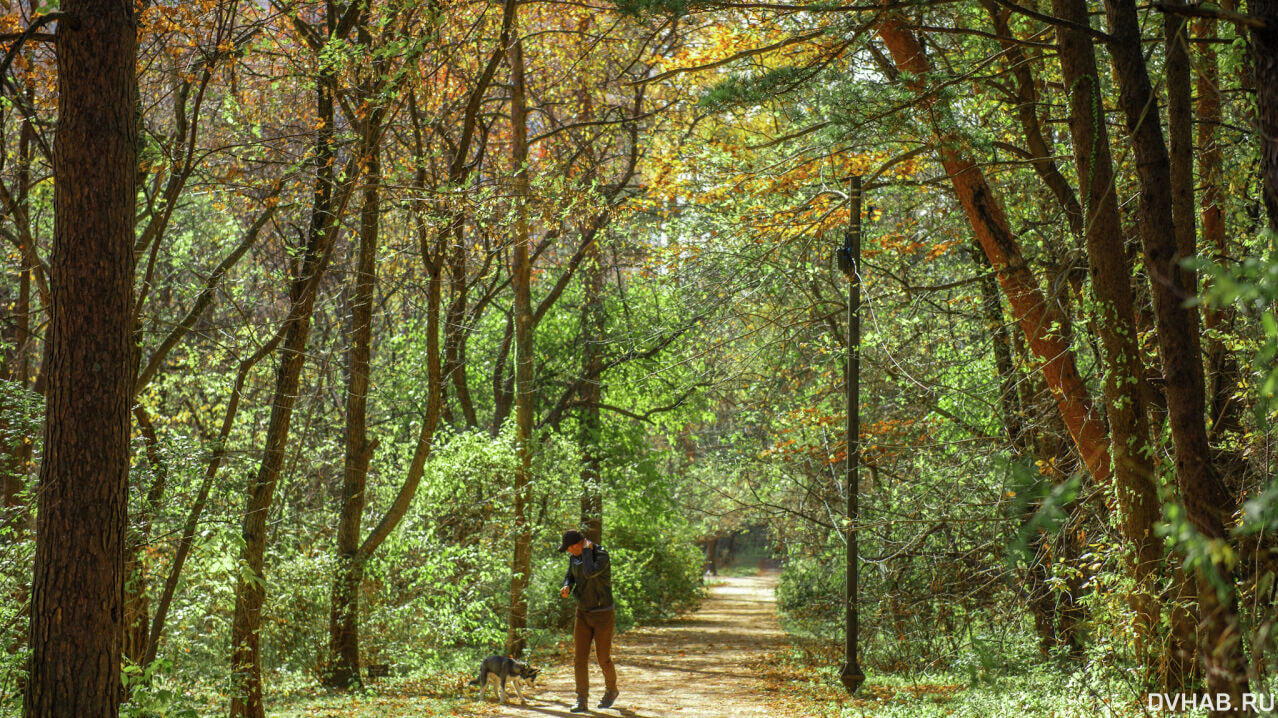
[[579, 707], [608, 698]]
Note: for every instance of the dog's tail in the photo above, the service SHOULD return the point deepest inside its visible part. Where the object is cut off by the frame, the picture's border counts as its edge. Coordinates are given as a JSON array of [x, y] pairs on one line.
[[479, 680]]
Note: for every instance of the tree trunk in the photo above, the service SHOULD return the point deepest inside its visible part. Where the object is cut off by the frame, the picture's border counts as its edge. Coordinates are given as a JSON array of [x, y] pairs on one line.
[[250, 591], [1205, 499], [1036, 316], [521, 565], [343, 626], [592, 392], [77, 588], [1225, 416], [1264, 59], [593, 326], [434, 377], [1027, 113], [16, 457], [593, 319], [1111, 273], [455, 331]]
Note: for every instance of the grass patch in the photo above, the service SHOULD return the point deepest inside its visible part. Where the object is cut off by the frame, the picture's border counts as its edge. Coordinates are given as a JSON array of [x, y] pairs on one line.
[[425, 695], [807, 672]]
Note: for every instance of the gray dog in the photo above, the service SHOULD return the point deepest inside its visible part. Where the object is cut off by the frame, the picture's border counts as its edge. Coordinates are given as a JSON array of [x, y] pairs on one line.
[[503, 667]]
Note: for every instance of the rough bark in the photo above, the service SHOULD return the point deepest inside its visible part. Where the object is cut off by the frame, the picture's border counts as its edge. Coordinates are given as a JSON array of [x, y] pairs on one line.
[[1221, 365], [1207, 112], [77, 587], [1201, 491], [1111, 273], [1180, 135]]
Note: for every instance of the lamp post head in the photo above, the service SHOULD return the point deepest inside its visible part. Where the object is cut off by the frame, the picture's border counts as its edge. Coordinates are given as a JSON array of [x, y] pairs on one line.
[[846, 265]]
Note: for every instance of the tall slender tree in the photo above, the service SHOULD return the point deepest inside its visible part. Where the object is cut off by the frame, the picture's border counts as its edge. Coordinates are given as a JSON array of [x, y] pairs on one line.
[[1201, 490], [1038, 318], [344, 606], [1111, 272], [1264, 62], [521, 275], [329, 200]]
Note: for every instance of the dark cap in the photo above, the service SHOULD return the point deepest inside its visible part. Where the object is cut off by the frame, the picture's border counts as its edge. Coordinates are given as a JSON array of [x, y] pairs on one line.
[[570, 538]]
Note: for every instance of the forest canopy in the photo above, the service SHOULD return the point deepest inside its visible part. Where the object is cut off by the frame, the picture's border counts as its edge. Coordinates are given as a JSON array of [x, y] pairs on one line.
[[321, 321]]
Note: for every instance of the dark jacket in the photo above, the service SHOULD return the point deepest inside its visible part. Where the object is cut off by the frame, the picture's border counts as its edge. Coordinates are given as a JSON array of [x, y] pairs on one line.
[[590, 576]]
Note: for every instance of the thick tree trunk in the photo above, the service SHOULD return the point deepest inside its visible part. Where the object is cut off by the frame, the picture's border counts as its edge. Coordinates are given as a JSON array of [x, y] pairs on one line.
[[1205, 499], [521, 564], [77, 588], [1111, 273], [1208, 119], [1225, 416], [1221, 366], [1036, 316], [1180, 134]]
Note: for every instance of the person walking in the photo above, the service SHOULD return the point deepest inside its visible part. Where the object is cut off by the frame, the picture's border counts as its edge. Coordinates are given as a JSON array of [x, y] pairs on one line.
[[589, 580]]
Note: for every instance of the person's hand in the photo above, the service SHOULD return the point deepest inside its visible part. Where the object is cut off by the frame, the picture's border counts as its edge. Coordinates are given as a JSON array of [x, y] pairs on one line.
[[585, 543], [563, 592]]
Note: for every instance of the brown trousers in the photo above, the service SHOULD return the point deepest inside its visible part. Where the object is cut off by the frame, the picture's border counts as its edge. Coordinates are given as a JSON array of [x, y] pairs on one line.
[[597, 627]]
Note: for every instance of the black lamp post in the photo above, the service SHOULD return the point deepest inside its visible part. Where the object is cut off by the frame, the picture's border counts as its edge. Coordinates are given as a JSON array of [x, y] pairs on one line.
[[850, 264]]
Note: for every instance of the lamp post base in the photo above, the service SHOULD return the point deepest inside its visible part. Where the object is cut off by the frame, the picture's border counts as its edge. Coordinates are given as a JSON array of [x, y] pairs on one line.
[[852, 677]]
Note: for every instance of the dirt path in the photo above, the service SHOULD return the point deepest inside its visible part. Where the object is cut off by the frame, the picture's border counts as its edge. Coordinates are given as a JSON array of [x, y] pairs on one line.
[[693, 668]]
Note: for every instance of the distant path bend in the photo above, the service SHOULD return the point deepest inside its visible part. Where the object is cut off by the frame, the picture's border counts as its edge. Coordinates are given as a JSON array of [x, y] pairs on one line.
[[694, 667]]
